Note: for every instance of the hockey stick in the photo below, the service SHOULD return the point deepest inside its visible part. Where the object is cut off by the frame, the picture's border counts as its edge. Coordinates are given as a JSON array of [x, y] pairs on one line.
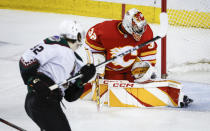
[[106, 62], [97, 93], [163, 30], [12, 125]]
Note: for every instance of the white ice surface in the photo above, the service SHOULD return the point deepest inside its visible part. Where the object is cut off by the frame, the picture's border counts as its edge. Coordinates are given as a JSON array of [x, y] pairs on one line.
[[20, 30]]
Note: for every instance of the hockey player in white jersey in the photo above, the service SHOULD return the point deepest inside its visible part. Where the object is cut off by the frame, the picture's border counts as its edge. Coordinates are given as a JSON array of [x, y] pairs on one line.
[[51, 62]]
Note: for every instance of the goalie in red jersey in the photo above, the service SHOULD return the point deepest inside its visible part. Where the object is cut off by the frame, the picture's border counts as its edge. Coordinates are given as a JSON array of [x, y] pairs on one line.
[[110, 38]]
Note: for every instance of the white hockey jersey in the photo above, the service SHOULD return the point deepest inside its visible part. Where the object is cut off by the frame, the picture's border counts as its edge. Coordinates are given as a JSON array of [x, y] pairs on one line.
[[55, 58]]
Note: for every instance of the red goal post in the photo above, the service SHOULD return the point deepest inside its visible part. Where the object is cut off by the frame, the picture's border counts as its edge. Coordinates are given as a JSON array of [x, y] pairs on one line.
[[163, 45]]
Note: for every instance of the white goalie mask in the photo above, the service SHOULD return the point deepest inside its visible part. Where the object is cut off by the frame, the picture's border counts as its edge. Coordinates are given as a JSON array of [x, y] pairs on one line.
[[73, 33], [134, 23]]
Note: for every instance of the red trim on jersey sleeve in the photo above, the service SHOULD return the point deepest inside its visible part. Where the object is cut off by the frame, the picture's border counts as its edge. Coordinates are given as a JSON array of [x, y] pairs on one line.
[[148, 53], [94, 45]]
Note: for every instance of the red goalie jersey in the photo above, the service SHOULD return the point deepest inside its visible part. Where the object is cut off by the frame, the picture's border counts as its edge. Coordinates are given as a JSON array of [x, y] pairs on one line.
[[107, 38]]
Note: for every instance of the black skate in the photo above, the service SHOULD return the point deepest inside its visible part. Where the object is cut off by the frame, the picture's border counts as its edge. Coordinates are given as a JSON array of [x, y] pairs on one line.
[[186, 101]]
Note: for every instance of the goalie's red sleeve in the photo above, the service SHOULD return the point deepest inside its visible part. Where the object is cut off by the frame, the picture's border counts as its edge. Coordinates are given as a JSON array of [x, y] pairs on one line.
[[93, 39]]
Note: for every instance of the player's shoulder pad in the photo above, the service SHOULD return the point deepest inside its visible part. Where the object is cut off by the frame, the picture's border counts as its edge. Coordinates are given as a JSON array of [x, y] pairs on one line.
[[78, 57], [56, 40]]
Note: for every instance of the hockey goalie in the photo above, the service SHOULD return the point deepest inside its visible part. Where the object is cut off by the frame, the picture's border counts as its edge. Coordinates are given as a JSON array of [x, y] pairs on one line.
[[108, 39]]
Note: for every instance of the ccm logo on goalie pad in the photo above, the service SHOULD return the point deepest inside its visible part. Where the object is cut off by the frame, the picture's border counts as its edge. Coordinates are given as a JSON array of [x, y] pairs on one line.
[[124, 85], [120, 83]]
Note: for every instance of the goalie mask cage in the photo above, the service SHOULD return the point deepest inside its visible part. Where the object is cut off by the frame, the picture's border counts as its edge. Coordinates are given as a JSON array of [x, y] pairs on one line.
[[186, 19]]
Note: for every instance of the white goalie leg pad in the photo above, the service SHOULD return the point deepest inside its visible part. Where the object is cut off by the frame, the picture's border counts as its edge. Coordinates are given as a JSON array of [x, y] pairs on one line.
[[181, 96], [95, 58], [89, 55], [99, 58]]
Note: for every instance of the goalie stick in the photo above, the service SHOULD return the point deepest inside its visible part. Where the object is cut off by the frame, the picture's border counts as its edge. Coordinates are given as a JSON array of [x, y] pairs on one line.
[[163, 30], [12, 125]]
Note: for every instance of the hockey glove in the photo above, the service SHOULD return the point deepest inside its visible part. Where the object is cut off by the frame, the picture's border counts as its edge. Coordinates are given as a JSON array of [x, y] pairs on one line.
[[39, 85], [74, 91], [143, 71], [88, 71]]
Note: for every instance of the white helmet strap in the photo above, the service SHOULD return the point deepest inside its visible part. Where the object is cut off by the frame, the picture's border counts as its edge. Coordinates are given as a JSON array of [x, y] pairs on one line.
[[74, 45]]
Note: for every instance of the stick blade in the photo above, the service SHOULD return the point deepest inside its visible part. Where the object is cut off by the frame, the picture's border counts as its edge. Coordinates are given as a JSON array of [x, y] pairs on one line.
[[163, 24]]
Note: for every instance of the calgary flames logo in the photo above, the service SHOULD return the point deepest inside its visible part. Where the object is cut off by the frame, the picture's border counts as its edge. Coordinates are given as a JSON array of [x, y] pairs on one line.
[[139, 16], [120, 60]]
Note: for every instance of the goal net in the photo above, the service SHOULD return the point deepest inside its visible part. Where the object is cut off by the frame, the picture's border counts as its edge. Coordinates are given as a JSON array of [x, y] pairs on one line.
[[188, 36]]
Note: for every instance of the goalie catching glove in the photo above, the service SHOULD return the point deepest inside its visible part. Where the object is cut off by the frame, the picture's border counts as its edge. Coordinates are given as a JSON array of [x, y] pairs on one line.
[[143, 71]]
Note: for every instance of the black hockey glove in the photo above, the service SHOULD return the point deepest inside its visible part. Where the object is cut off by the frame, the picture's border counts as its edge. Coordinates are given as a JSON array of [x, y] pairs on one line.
[[74, 91], [39, 84], [88, 71]]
